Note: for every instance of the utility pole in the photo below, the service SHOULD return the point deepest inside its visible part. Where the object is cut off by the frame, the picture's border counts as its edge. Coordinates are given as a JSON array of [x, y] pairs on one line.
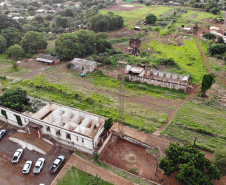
[[121, 95]]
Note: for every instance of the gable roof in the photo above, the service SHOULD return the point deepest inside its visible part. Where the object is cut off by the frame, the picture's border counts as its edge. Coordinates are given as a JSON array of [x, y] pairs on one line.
[[83, 62], [46, 58]]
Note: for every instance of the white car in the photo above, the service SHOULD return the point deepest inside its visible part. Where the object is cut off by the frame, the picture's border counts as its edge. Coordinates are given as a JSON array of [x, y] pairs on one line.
[[17, 155], [38, 165], [27, 167]]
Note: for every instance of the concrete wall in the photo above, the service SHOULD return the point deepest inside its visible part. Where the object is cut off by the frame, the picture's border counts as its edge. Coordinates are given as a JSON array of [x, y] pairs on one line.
[[12, 118]]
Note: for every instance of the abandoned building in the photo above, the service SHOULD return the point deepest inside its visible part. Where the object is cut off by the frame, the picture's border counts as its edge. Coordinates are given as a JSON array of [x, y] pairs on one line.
[[48, 59], [158, 78], [86, 66], [75, 128], [134, 46]]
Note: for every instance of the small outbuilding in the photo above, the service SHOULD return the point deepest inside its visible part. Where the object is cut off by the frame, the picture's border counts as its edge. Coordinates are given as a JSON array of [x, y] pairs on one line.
[[86, 66], [48, 59]]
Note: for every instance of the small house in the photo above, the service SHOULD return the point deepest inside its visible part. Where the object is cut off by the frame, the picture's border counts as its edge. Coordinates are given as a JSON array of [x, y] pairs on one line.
[[137, 28], [86, 66], [48, 59]]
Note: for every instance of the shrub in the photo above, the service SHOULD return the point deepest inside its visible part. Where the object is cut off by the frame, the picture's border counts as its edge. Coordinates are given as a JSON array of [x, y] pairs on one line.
[[89, 100], [28, 55], [15, 51], [104, 60], [209, 36], [133, 170], [96, 157], [220, 40], [68, 65], [217, 49], [108, 123]]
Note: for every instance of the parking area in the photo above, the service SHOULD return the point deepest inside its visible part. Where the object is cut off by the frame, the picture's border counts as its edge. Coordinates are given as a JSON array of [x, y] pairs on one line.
[[11, 174]]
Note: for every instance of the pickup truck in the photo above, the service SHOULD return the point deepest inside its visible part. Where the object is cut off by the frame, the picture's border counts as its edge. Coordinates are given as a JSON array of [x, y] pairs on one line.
[[56, 164]]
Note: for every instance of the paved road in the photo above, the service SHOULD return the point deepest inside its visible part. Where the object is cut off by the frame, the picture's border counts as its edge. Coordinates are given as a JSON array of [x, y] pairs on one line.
[[12, 173]]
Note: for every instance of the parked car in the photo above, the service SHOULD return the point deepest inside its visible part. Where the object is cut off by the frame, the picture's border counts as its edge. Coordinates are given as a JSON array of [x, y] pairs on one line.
[[2, 133], [27, 167], [17, 155], [38, 165], [57, 163]]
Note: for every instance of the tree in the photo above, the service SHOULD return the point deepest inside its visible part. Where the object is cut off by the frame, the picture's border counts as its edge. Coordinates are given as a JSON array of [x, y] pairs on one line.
[[88, 39], [12, 35], [214, 10], [211, 5], [220, 40], [3, 44], [39, 19], [219, 160], [151, 19], [28, 27], [67, 46], [33, 41], [101, 35], [108, 123], [14, 98], [209, 36], [207, 82], [61, 21], [102, 45], [7, 22], [217, 49], [31, 10], [15, 51], [68, 13], [190, 164]]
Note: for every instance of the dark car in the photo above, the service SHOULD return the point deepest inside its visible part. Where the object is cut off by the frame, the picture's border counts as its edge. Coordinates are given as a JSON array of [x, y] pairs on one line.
[[2, 133], [56, 164]]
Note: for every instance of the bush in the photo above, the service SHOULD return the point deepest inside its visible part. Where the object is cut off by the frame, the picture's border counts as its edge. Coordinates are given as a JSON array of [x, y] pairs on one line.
[[96, 157], [68, 65], [108, 123], [209, 36], [217, 49], [220, 40], [15, 51], [28, 55], [133, 170], [104, 60]]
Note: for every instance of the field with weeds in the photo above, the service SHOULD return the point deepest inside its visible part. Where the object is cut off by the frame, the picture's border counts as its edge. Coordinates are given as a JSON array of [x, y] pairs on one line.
[[76, 176], [129, 16], [202, 120], [146, 118], [187, 57]]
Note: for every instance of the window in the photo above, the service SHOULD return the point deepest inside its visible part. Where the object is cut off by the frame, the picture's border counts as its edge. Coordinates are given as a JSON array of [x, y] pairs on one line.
[[82, 140]]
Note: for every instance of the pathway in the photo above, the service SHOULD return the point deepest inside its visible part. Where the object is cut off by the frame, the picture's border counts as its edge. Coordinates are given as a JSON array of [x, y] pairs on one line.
[[92, 169], [195, 92]]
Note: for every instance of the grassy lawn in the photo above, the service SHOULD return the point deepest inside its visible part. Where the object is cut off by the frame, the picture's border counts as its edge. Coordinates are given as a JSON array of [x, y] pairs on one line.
[[129, 16], [206, 122], [76, 176], [187, 57]]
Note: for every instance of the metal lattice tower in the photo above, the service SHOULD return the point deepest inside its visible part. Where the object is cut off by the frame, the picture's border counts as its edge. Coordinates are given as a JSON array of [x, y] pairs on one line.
[[121, 96]]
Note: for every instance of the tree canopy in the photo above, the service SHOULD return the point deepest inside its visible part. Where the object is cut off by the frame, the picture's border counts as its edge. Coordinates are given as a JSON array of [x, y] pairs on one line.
[[219, 160], [151, 19], [3, 44], [209, 36], [103, 23], [191, 165], [7, 22], [217, 49], [207, 82], [12, 35], [15, 51], [33, 41], [14, 98], [67, 46]]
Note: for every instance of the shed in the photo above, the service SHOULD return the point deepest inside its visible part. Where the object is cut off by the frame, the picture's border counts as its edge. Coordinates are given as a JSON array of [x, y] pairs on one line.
[[48, 59], [86, 66]]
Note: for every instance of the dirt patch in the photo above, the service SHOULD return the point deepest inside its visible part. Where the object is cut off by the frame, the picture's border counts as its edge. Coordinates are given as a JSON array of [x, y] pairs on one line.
[[126, 155], [122, 7]]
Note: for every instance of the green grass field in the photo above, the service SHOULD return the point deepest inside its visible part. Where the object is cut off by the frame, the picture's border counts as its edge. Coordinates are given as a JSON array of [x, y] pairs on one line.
[[129, 16], [76, 176], [206, 122], [187, 57]]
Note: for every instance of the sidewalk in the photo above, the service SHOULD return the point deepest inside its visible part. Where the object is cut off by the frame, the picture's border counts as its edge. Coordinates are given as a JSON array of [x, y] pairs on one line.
[[92, 169]]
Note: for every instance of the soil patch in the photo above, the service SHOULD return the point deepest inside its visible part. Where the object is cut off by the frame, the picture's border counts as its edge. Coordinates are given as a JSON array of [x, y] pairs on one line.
[[126, 155], [120, 7]]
